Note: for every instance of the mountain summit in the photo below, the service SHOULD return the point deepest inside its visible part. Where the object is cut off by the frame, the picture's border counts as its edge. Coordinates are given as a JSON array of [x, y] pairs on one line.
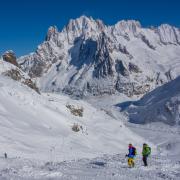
[[90, 58]]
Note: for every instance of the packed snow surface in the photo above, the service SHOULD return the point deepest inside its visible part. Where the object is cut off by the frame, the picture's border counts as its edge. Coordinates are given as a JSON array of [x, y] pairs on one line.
[[110, 167]]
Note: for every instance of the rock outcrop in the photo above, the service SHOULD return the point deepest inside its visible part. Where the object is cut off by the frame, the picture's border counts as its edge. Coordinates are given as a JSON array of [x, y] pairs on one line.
[[9, 56], [11, 70]]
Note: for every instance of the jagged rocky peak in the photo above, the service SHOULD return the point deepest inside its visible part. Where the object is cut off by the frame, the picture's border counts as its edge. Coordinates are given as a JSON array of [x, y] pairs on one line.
[[129, 26], [10, 56], [80, 23], [52, 33], [103, 60], [168, 34], [100, 24], [83, 26]]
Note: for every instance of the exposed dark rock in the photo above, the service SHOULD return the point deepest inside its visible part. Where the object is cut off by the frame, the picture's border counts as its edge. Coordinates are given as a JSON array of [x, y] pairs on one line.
[[9, 56], [76, 111], [103, 61], [16, 75], [75, 127], [31, 84], [146, 41], [120, 68], [124, 50]]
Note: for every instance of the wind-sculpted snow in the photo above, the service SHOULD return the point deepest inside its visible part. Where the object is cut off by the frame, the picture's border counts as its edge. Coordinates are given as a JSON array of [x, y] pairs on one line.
[[90, 58]]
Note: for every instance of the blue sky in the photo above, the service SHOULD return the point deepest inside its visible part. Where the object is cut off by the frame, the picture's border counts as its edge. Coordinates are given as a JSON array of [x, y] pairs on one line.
[[24, 23]]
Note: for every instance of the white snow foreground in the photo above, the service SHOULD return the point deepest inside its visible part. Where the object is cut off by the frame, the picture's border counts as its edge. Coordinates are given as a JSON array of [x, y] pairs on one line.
[[107, 167]]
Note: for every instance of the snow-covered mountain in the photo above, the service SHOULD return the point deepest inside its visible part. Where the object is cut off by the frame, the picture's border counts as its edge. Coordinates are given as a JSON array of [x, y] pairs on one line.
[[89, 57], [160, 105]]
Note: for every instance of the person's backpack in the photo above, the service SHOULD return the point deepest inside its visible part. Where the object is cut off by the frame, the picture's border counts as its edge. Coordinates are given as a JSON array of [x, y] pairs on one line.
[[134, 152], [149, 150]]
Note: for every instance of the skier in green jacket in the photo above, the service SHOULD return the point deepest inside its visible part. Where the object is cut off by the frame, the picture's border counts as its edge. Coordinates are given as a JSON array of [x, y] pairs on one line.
[[145, 153]]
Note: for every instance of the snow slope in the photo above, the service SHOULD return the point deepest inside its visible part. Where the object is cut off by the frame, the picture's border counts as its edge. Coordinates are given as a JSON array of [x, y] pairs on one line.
[[40, 126], [36, 132], [90, 58]]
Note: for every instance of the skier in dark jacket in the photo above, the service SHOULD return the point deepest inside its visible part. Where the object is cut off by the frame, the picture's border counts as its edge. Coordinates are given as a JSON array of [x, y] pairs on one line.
[[145, 153], [132, 153]]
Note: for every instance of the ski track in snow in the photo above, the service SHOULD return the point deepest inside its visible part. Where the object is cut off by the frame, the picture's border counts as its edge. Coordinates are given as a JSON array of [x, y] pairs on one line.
[[107, 167]]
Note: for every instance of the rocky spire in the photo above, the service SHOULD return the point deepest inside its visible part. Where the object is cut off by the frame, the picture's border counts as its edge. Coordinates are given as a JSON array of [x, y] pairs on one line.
[[52, 33]]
